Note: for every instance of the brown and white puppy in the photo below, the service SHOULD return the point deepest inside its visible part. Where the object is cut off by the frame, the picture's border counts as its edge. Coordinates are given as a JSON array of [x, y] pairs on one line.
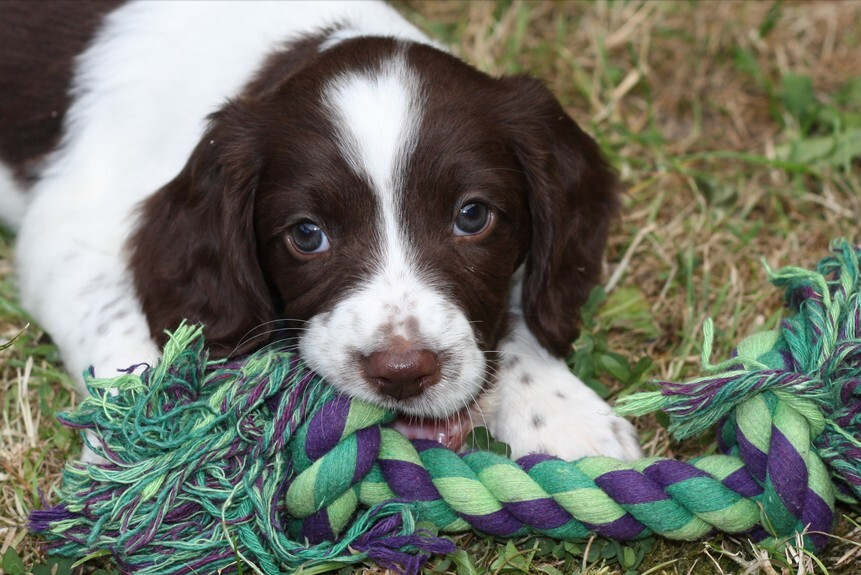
[[319, 174]]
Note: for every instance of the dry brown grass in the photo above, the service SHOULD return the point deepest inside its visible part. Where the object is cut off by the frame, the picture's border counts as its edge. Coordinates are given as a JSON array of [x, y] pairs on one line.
[[685, 97], [33, 449]]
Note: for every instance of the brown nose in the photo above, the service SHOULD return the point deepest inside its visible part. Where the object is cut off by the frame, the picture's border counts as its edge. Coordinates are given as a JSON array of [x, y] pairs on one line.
[[402, 371]]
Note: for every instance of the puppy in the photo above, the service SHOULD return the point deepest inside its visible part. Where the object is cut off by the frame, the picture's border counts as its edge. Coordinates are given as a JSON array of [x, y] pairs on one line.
[[317, 174]]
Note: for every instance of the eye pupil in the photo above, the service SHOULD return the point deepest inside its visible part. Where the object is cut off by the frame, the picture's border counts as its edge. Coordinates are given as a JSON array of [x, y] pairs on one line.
[[472, 219], [309, 238]]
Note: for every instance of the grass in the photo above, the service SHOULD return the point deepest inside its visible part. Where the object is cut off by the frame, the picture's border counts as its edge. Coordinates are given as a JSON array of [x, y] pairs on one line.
[[736, 129]]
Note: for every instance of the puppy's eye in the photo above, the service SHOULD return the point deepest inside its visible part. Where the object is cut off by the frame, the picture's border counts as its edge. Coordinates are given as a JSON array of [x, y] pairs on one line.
[[308, 238], [473, 218]]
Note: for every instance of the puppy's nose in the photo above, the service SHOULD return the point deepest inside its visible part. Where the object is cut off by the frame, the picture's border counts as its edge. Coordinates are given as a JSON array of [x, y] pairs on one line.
[[402, 371]]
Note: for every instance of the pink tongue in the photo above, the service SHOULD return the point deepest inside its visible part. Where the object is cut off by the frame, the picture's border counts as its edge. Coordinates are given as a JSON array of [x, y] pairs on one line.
[[450, 432]]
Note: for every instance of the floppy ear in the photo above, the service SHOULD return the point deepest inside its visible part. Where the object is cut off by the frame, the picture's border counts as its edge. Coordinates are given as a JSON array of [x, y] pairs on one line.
[[193, 254], [572, 201]]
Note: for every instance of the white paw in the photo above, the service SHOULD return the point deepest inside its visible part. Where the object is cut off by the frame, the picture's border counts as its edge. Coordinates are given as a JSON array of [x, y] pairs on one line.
[[538, 405]]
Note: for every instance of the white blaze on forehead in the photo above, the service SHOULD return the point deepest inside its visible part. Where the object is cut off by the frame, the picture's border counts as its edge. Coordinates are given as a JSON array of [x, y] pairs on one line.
[[377, 116]]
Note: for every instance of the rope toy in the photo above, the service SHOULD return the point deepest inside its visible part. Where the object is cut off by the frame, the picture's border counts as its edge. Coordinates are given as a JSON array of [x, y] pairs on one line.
[[213, 463]]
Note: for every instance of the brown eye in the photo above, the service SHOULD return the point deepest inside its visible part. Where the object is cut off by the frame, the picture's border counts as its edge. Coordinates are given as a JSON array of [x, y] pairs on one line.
[[473, 218], [309, 238]]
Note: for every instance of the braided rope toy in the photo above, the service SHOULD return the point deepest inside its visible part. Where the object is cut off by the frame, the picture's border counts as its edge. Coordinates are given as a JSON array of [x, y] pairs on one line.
[[254, 460]]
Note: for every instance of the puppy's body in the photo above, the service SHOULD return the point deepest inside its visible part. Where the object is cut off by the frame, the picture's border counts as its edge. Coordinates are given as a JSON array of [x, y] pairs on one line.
[[316, 173]]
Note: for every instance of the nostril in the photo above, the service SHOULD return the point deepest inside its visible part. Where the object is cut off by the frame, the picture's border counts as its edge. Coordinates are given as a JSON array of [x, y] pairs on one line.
[[402, 371]]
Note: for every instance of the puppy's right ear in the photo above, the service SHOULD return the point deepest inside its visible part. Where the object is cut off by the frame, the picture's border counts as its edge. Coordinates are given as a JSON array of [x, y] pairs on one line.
[[193, 255], [573, 199]]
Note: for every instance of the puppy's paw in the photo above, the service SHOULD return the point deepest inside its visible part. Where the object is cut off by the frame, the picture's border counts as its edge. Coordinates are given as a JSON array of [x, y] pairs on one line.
[[538, 405]]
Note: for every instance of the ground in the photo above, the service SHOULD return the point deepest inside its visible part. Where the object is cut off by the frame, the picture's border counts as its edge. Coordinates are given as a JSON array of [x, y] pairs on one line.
[[736, 130]]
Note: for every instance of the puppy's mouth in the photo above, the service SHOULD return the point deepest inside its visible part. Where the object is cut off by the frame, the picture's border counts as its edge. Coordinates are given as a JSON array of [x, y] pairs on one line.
[[451, 431]]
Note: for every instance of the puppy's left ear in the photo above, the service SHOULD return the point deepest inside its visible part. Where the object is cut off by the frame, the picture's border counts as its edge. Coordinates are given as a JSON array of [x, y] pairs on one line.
[[194, 255], [572, 199]]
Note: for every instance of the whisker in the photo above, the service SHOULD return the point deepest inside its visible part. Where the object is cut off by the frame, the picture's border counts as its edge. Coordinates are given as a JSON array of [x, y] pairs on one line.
[[254, 333]]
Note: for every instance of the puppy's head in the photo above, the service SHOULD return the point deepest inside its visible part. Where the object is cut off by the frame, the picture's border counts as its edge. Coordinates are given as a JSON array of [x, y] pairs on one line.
[[376, 199]]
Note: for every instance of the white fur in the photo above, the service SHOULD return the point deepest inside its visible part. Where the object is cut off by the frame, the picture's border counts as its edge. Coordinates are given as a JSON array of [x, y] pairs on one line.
[[141, 95], [539, 405]]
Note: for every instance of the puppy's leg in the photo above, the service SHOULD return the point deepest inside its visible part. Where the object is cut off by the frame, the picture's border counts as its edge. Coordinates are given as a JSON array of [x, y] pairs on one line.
[[74, 282], [83, 297], [538, 405]]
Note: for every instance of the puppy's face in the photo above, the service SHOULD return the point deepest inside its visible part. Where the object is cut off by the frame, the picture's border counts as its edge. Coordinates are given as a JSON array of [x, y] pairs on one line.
[[391, 238], [380, 197]]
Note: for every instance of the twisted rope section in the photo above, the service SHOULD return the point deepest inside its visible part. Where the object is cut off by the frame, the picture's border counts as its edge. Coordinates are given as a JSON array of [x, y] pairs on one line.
[[778, 492], [811, 363]]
